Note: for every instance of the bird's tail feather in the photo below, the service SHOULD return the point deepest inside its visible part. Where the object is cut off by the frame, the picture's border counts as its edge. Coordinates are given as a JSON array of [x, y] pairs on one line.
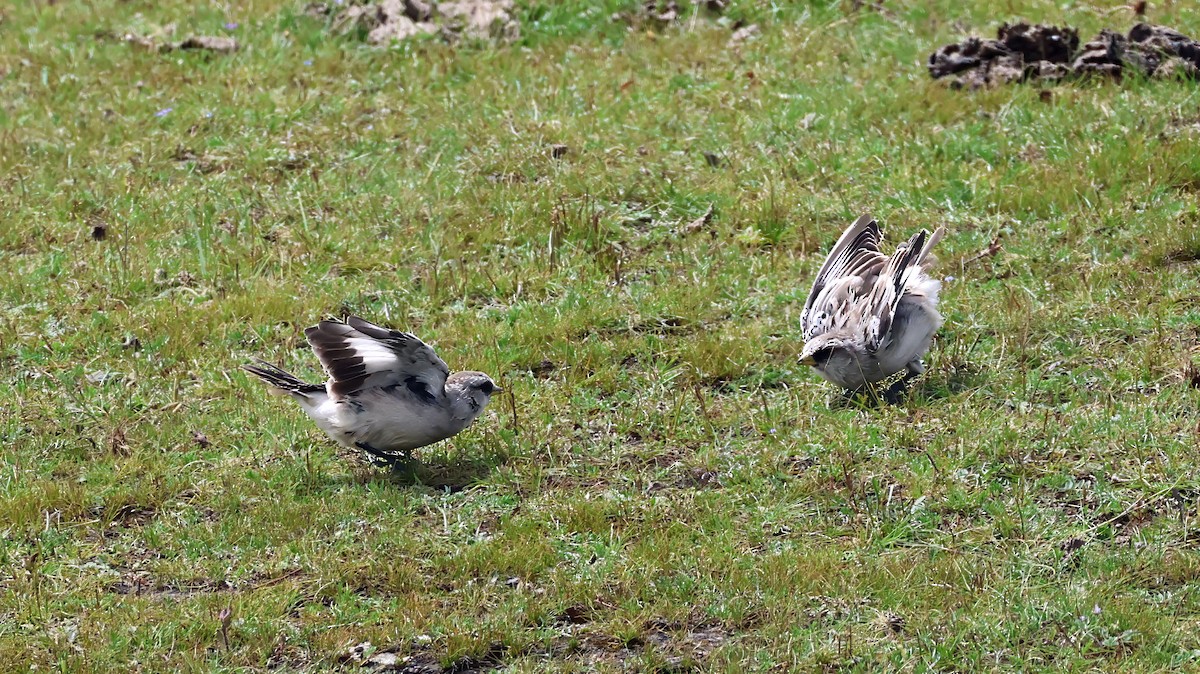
[[281, 380]]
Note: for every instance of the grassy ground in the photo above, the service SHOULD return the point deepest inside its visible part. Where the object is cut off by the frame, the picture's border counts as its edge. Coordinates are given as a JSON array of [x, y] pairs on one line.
[[665, 488]]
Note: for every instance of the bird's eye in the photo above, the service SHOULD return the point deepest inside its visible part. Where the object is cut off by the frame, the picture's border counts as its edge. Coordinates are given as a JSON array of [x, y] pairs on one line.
[[823, 355], [487, 387]]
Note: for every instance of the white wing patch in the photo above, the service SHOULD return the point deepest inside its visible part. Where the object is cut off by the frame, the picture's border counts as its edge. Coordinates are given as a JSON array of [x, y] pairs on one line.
[[375, 356]]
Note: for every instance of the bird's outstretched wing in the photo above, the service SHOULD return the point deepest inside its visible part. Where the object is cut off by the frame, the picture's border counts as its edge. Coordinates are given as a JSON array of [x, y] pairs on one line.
[[849, 270], [880, 304], [859, 288], [359, 355]]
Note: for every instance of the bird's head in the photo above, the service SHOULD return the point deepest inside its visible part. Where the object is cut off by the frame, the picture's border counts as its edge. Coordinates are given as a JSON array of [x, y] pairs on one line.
[[819, 350], [475, 387]]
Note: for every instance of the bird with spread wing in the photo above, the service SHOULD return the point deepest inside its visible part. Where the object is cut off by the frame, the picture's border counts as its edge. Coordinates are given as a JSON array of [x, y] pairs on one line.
[[869, 315], [388, 392]]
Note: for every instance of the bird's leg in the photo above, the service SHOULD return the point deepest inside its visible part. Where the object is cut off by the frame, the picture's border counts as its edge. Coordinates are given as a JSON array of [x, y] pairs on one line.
[[381, 458], [863, 397], [894, 392], [914, 369]]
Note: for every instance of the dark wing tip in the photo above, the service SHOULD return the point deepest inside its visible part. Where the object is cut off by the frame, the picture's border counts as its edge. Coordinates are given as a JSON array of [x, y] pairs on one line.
[[330, 341], [328, 332], [397, 340], [341, 387], [360, 323]]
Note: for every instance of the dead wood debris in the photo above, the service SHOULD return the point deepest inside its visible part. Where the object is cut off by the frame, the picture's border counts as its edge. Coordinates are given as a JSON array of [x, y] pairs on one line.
[[992, 249], [699, 223]]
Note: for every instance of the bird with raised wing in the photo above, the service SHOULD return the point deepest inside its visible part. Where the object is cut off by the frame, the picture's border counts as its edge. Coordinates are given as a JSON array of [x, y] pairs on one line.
[[869, 315], [388, 392]]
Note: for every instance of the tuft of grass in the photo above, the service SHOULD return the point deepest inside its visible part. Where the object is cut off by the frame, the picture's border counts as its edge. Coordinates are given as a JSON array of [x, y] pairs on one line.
[[665, 488]]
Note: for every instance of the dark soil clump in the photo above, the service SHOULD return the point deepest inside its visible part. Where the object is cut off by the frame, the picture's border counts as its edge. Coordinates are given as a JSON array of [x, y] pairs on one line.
[[1023, 52]]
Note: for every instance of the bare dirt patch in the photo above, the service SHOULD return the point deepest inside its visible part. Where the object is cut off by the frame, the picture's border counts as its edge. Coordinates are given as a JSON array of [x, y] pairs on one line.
[[682, 649], [677, 647], [1023, 52], [214, 43], [385, 21], [663, 12], [217, 44], [659, 15], [419, 659]]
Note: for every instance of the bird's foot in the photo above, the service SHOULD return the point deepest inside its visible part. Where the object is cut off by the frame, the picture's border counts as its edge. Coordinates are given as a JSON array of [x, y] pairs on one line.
[[895, 393], [384, 459], [915, 367]]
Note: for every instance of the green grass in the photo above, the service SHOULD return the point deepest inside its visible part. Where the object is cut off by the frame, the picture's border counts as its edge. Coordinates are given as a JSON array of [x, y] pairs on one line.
[[666, 488]]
